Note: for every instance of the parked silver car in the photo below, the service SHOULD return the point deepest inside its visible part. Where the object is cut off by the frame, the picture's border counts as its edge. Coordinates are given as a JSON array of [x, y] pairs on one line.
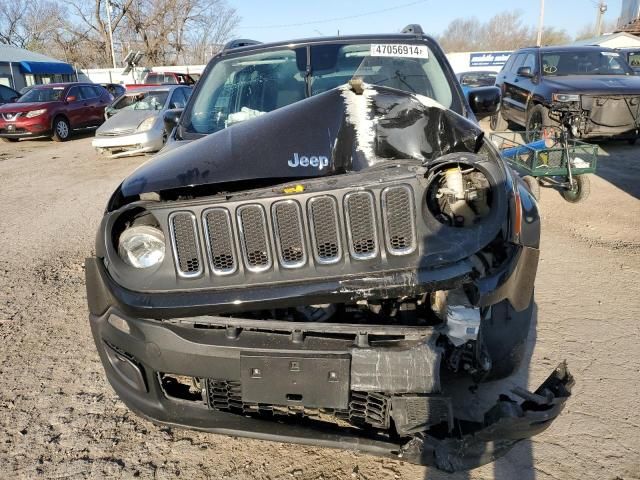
[[134, 121]]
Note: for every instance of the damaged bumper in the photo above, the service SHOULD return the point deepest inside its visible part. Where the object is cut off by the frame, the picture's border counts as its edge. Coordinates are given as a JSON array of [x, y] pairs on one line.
[[610, 116], [371, 388]]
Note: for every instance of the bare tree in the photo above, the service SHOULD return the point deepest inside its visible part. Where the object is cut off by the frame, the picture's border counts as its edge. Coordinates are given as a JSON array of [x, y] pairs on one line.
[[589, 30], [29, 24], [504, 31]]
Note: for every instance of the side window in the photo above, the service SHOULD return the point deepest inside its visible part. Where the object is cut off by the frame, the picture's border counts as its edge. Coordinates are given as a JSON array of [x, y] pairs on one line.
[[507, 66], [87, 92], [530, 61], [153, 78], [187, 93], [97, 91], [177, 99], [517, 63], [74, 92]]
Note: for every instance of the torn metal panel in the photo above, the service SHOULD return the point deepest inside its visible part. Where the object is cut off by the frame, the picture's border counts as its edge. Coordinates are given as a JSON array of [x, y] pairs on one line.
[[416, 369]]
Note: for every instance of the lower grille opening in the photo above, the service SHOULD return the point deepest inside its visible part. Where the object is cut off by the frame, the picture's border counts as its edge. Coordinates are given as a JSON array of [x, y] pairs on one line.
[[181, 387]]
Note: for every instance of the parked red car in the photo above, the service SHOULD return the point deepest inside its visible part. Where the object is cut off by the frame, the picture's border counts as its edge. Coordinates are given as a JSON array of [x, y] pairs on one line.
[[54, 110]]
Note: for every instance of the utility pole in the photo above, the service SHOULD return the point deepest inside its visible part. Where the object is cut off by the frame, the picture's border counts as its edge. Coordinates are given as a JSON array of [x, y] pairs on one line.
[[540, 23], [602, 7], [113, 52]]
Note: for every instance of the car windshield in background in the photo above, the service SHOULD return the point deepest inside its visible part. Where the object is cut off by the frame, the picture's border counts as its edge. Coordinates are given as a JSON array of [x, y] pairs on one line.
[[52, 94], [584, 63], [142, 101], [243, 87], [634, 60], [478, 79]]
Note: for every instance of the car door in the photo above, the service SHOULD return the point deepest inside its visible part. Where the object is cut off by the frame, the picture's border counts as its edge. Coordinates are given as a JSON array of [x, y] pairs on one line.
[[103, 99], [522, 88], [507, 79], [75, 108], [92, 113]]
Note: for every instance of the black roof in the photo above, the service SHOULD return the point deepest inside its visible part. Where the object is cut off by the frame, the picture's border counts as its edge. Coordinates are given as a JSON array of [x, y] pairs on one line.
[[568, 48], [330, 39]]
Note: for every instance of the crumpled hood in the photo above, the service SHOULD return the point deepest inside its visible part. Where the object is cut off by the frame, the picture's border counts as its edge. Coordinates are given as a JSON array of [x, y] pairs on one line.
[[335, 132], [586, 84], [125, 121]]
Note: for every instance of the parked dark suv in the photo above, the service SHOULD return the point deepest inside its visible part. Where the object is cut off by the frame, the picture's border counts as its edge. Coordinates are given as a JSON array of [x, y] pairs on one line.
[[54, 110], [329, 252], [595, 82]]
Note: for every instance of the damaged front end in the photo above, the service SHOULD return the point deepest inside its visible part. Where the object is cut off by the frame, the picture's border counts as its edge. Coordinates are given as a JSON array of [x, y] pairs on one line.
[[330, 289], [606, 115]]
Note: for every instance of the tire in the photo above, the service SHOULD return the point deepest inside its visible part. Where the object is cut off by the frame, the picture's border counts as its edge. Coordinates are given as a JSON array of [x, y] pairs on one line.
[[537, 119], [632, 141], [61, 130], [504, 339], [533, 185], [498, 123], [9, 140], [580, 192]]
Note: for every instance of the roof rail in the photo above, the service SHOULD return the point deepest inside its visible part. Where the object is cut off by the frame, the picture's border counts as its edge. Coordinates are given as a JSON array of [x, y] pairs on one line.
[[240, 42], [413, 28]]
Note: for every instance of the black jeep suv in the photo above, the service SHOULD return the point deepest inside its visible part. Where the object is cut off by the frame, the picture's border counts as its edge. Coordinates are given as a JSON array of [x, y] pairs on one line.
[[327, 252], [597, 83]]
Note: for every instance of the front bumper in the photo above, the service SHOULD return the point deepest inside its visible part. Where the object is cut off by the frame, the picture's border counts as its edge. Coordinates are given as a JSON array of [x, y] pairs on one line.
[[132, 144], [337, 366], [133, 361], [25, 128]]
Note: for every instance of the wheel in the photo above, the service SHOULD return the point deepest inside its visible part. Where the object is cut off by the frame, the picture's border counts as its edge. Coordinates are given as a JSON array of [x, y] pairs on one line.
[[632, 141], [533, 185], [9, 140], [498, 123], [537, 119], [503, 337], [579, 192], [61, 130]]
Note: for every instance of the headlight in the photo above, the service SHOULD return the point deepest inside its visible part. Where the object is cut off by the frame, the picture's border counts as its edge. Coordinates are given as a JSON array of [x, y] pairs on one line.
[[35, 113], [141, 247], [565, 97], [146, 124]]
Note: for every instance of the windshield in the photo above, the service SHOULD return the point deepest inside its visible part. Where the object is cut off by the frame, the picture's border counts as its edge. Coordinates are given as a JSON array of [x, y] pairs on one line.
[[142, 101], [584, 63], [243, 87], [52, 94]]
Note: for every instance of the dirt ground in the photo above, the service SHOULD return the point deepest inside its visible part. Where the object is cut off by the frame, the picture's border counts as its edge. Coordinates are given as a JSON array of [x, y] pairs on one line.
[[59, 417]]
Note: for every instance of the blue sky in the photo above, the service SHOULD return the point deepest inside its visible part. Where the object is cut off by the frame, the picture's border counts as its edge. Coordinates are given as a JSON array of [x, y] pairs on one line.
[[433, 15]]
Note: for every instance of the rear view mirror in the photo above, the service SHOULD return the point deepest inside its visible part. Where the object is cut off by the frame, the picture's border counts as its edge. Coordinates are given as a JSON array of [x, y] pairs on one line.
[[171, 119], [484, 101], [525, 72]]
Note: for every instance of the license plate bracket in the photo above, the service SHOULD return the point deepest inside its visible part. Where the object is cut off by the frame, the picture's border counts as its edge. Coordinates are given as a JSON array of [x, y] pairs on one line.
[[315, 381]]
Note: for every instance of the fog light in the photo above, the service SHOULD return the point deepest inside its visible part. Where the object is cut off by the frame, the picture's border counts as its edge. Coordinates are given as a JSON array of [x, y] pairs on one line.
[[120, 324]]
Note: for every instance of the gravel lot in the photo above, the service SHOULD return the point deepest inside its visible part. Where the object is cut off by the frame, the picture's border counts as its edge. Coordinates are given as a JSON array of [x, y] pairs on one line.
[[59, 417]]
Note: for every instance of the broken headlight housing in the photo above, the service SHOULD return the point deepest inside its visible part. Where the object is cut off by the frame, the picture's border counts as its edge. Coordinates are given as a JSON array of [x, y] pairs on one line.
[[141, 246], [565, 97]]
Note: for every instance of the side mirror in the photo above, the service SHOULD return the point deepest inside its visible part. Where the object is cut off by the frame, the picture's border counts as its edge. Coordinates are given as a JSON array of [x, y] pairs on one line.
[[109, 111], [71, 98], [484, 101], [525, 72], [13, 99], [171, 119]]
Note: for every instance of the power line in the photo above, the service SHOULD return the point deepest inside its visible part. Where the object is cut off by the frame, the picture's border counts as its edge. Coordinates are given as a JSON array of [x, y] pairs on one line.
[[328, 20]]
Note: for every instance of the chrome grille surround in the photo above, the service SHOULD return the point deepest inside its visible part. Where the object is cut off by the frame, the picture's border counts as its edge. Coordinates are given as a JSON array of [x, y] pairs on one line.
[[324, 225], [399, 219], [218, 233], [184, 240], [360, 216], [289, 234], [254, 237]]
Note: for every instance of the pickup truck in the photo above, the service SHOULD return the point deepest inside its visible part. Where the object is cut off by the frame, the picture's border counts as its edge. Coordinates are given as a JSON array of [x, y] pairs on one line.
[[329, 252]]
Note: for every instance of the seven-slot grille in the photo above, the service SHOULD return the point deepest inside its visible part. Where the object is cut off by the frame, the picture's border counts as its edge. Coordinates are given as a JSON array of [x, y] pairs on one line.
[[292, 234]]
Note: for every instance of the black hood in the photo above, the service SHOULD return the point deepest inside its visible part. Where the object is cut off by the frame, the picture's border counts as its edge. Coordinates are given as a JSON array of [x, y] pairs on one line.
[[603, 84], [335, 132]]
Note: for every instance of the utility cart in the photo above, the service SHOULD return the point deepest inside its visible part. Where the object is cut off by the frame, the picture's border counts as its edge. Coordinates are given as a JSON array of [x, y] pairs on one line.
[[554, 159]]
